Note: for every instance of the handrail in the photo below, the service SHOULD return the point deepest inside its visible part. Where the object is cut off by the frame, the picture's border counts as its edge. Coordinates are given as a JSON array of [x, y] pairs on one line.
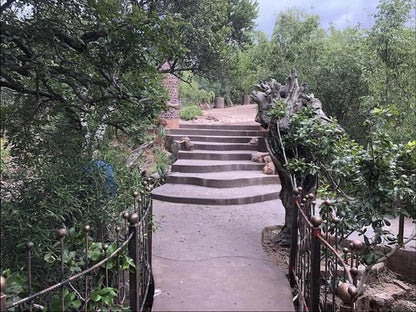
[[316, 288], [73, 277], [305, 217], [138, 238], [347, 271], [326, 243]]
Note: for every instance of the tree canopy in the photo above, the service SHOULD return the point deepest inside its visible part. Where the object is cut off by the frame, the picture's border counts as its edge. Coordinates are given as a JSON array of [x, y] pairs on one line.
[[78, 75]]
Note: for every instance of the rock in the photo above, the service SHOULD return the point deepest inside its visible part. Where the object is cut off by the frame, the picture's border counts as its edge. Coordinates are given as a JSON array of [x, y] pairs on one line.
[[403, 285], [258, 157], [174, 149], [185, 144], [378, 271], [212, 118], [269, 167], [403, 306], [205, 106], [381, 297]]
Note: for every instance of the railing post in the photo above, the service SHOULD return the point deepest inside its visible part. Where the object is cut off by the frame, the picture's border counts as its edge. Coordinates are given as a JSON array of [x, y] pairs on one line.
[[150, 232], [401, 229], [62, 234], [315, 263], [2, 294], [135, 255], [29, 246], [87, 229], [294, 239]]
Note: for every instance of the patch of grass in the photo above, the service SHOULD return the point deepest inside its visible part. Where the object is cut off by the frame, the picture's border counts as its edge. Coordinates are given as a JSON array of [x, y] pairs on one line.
[[190, 112]]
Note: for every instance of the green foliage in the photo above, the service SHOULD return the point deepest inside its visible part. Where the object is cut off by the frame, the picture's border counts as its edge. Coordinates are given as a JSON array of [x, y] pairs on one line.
[[338, 78], [16, 287], [4, 159], [161, 163], [76, 77], [190, 93], [190, 112], [210, 31], [250, 65], [369, 185], [101, 297], [104, 295], [296, 43], [350, 70], [391, 70], [278, 110]]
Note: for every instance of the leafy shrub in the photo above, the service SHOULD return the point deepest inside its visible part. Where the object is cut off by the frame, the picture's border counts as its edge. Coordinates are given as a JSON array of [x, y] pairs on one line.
[[190, 112], [192, 94]]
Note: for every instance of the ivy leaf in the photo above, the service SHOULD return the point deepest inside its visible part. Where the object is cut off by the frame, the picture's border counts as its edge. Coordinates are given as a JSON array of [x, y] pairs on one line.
[[95, 296]]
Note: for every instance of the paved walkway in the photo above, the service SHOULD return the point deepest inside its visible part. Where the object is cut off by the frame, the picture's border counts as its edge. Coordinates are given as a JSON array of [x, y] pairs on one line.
[[210, 258]]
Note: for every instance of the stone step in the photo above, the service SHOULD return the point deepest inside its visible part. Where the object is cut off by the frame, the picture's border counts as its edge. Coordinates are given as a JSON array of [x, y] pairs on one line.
[[201, 166], [192, 194], [223, 179], [215, 138], [215, 146], [219, 126], [214, 132], [215, 155]]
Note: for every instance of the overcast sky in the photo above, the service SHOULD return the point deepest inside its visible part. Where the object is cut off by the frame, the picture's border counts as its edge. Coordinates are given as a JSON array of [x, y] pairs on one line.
[[339, 12]]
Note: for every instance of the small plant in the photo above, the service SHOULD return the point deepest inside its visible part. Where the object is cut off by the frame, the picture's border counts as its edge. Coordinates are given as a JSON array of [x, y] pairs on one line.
[[278, 110], [4, 160], [190, 112]]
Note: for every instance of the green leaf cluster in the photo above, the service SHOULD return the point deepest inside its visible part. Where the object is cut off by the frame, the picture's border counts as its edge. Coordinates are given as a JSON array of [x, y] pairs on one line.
[[190, 112]]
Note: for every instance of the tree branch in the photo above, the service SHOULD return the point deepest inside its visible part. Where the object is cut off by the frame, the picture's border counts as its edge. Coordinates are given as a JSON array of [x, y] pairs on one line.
[[16, 86], [170, 71], [5, 5]]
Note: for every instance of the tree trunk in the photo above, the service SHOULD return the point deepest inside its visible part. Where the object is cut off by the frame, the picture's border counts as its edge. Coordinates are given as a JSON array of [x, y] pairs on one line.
[[295, 98]]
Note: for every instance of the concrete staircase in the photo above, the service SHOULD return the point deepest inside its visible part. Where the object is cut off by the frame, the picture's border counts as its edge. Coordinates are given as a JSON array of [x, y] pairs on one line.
[[219, 170]]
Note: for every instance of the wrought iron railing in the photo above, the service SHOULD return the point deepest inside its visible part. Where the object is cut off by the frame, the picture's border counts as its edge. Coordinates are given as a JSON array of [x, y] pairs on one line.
[[322, 272], [136, 242]]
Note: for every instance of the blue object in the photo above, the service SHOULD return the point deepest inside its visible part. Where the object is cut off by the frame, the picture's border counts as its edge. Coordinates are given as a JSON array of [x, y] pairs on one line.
[[108, 171]]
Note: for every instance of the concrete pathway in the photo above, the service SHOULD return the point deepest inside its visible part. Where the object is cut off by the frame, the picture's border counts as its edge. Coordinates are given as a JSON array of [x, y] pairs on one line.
[[210, 258], [207, 251]]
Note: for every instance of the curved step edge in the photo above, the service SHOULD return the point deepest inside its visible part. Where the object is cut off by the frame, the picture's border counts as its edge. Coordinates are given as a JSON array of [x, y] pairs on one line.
[[217, 201], [223, 183]]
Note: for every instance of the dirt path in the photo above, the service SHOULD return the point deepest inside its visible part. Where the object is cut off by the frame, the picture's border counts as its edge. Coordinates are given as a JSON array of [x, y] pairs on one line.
[[240, 114]]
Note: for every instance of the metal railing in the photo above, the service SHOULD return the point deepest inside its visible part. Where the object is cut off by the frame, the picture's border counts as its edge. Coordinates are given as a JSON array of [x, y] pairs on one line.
[[138, 278], [322, 272]]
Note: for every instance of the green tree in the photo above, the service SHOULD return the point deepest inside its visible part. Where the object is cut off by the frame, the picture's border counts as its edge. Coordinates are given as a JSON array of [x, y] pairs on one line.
[[338, 80], [296, 42], [391, 68], [209, 30], [250, 65], [79, 74], [191, 93]]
